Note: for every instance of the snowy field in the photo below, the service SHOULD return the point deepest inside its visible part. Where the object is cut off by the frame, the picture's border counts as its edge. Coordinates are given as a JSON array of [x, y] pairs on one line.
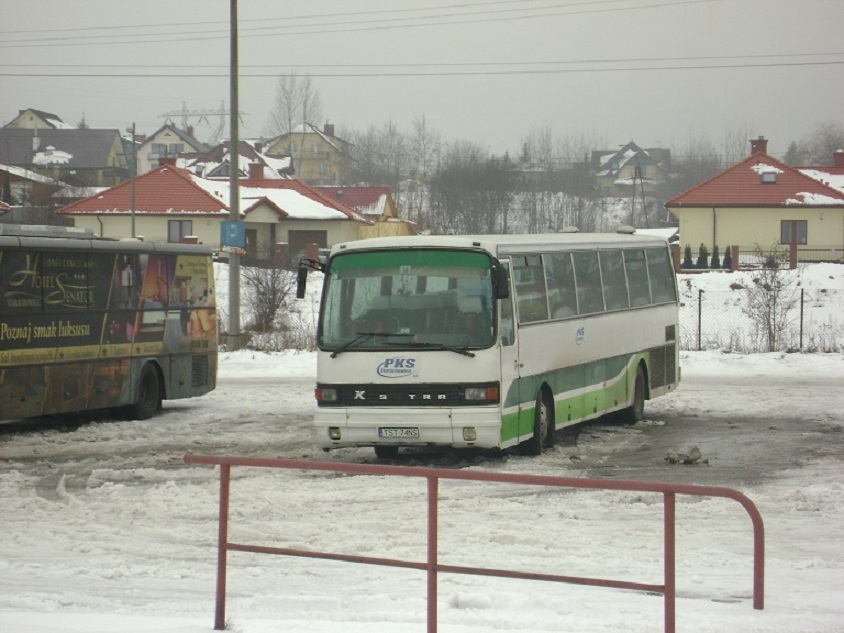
[[104, 530]]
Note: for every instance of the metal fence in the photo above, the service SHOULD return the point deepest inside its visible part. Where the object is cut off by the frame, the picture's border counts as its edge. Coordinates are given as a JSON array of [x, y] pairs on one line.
[[433, 565], [802, 320]]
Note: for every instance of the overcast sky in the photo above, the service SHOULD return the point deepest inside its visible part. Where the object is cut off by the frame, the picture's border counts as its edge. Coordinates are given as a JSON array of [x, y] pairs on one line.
[[659, 72]]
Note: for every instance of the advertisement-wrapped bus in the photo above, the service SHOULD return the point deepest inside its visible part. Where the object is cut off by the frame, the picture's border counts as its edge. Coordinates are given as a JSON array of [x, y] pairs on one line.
[[89, 323], [490, 341]]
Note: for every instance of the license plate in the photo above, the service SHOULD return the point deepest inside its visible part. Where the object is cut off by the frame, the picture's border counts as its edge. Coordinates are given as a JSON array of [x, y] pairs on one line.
[[398, 433]]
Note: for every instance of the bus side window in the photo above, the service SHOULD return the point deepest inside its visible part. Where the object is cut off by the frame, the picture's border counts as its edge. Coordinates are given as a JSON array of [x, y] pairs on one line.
[[615, 285], [587, 273], [637, 278], [530, 289], [559, 275], [659, 271]]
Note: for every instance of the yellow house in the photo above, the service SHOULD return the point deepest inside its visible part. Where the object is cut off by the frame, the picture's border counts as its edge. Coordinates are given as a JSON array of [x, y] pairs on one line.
[[762, 203], [319, 157]]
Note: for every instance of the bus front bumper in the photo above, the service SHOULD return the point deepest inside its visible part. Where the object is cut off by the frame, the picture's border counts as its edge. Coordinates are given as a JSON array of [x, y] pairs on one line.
[[460, 428]]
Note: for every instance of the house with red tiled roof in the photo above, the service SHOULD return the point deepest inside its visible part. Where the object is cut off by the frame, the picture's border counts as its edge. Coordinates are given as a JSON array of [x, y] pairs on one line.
[[170, 204], [762, 203], [376, 204]]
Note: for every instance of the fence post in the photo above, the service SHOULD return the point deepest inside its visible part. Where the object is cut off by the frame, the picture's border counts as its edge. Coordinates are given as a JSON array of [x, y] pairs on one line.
[[433, 494], [734, 262], [792, 256], [802, 297], [699, 317], [669, 545], [222, 544]]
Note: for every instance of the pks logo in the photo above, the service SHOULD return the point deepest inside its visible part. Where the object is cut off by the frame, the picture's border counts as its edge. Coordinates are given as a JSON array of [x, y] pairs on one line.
[[580, 336], [397, 368]]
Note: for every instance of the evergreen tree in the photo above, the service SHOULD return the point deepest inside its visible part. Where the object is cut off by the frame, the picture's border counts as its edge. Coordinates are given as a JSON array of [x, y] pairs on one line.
[[702, 257], [687, 258], [728, 258], [715, 262]]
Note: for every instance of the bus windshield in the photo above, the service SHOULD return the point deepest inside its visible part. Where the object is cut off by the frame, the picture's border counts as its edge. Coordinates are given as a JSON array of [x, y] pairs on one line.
[[421, 298]]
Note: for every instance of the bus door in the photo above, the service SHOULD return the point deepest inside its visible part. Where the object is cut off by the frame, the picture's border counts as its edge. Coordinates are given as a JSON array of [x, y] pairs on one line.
[[510, 365]]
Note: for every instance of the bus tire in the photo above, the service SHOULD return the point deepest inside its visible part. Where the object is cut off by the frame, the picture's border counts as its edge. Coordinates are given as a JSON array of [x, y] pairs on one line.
[[636, 411], [386, 452], [543, 426], [149, 394]]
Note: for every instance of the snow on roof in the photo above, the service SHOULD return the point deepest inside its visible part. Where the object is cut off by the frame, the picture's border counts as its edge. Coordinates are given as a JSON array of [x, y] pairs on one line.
[[762, 168], [51, 156], [836, 181]]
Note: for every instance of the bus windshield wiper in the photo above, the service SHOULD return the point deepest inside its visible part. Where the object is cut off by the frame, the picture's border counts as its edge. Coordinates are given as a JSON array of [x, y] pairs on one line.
[[360, 338], [446, 348]]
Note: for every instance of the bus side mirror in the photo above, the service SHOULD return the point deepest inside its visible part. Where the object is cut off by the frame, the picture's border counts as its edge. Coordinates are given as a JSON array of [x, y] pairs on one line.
[[301, 281], [501, 282]]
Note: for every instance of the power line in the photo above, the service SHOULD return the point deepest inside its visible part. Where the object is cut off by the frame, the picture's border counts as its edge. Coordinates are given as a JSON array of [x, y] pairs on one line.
[[626, 60], [343, 26], [528, 71]]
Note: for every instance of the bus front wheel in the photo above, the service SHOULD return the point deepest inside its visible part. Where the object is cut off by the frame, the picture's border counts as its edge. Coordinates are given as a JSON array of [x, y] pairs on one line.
[[149, 394], [386, 452], [543, 426]]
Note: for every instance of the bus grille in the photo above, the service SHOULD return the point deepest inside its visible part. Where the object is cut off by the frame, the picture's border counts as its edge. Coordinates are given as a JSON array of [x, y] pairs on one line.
[[369, 395], [199, 370], [663, 366]]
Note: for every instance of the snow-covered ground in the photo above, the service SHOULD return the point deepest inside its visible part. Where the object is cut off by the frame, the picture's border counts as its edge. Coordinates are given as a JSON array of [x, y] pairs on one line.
[[104, 529]]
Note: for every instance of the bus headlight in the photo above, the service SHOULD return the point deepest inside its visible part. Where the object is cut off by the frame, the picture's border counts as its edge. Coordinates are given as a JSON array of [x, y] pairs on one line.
[[470, 434], [334, 432], [481, 393]]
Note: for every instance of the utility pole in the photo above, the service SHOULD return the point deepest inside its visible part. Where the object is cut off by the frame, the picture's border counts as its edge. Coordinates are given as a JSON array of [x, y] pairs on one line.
[[234, 189], [134, 176]]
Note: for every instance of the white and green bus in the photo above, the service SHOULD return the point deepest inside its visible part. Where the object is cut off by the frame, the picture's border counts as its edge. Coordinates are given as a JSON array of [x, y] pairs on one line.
[[490, 341]]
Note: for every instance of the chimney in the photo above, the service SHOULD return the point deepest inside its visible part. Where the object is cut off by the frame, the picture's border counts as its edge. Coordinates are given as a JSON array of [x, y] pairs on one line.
[[758, 145], [259, 147], [167, 160], [190, 131], [256, 171], [328, 129], [838, 158]]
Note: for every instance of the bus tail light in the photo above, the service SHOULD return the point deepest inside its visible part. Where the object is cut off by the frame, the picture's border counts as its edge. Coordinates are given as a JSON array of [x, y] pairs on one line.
[[481, 393], [325, 394]]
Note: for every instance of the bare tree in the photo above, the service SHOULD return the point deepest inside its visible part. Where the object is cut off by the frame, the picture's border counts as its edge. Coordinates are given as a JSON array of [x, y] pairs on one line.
[[269, 290], [824, 142], [380, 157], [422, 148], [297, 101], [770, 300]]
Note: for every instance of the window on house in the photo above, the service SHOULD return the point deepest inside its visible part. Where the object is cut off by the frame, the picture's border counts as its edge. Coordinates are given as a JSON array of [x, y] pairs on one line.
[[177, 229], [177, 148], [793, 232], [159, 149]]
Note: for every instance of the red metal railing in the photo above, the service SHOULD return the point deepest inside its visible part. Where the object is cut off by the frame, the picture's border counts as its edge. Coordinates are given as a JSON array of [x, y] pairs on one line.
[[432, 567]]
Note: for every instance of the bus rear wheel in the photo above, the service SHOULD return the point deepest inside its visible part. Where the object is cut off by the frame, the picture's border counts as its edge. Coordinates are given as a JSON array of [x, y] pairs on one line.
[[636, 411], [149, 394]]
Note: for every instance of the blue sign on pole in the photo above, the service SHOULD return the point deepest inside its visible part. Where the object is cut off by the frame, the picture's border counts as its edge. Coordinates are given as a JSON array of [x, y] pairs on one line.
[[233, 234]]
